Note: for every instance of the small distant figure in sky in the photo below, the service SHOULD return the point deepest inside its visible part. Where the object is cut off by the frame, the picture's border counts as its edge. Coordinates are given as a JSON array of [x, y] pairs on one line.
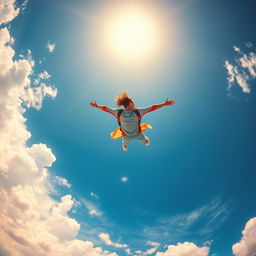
[[129, 119]]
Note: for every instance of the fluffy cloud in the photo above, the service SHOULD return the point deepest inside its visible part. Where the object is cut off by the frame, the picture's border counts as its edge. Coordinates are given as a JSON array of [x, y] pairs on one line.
[[234, 75], [247, 244], [44, 75], [106, 239], [32, 222], [124, 179], [62, 181], [59, 224], [184, 249], [8, 11], [243, 71], [33, 96], [50, 47]]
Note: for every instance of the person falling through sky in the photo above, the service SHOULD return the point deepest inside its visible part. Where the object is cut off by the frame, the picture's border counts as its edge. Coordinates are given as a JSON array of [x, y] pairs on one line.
[[129, 119]]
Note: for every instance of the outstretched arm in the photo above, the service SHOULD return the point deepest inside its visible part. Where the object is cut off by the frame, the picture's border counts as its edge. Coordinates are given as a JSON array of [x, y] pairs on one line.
[[104, 108], [95, 105], [166, 103], [157, 106]]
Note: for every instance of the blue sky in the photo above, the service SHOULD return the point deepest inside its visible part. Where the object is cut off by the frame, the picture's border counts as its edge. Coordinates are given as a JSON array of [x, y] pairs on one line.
[[196, 181]]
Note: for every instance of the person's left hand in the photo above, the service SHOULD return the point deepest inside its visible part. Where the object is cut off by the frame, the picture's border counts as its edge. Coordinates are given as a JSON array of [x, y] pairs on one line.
[[94, 104], [169, 102]]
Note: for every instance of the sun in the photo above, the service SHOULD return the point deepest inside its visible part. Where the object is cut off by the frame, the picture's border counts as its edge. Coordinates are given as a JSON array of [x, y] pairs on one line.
[[131, 35]]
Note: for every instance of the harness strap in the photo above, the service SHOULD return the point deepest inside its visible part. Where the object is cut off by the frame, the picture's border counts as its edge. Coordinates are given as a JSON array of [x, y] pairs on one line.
[[139, 119], [119, 113]]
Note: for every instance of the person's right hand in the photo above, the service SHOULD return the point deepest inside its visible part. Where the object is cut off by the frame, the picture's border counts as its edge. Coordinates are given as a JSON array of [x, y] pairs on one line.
[[169, 102], [94, 104]]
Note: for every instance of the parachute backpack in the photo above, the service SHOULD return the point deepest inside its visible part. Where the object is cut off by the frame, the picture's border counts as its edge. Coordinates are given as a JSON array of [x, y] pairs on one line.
[[118, 132]]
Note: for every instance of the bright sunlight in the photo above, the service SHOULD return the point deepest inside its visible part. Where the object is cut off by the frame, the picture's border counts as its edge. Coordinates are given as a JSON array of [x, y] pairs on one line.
[[132, 34]]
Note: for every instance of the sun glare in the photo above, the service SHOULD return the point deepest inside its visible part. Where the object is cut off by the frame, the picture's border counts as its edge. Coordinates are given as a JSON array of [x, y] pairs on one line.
[[131, 35]]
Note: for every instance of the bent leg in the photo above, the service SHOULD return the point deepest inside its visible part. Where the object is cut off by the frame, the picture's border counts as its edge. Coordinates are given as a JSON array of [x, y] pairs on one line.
[[125, 141], [143, 139]]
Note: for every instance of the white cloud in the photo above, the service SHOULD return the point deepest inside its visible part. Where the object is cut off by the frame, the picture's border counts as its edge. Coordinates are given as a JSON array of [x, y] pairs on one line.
[[92, 208], [199, 223], [234, 75], [151, 250], [59, 224], [32, 222], [208, 243], [154, 247], [237, 49], [248, 61], [8, 11], [29, 58], [92, 194], [62, 181], [106, 239], [154, 244], [42, 154], [33, 96], [124, 179], [247, 245], [94, 212], [243, 71], [44, 75], [184, 249], [128, 251], [50, 47]]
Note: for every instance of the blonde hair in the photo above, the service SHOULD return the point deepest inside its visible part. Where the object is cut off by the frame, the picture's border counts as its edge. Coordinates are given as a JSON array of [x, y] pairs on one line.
[[123, 99]]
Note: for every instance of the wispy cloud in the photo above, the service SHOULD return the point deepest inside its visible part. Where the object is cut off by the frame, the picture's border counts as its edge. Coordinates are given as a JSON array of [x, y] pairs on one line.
[[153, 249], [92, 194], [243, 71], [91, 207], [62, 181], [200, 223], [106, 239]]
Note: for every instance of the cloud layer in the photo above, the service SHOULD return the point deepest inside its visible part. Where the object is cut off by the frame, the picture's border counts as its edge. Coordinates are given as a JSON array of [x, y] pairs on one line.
[[32, 222]]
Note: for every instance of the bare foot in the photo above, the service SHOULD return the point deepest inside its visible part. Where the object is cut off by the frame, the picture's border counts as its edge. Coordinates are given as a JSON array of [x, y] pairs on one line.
[[147, 142], [125, 148]]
